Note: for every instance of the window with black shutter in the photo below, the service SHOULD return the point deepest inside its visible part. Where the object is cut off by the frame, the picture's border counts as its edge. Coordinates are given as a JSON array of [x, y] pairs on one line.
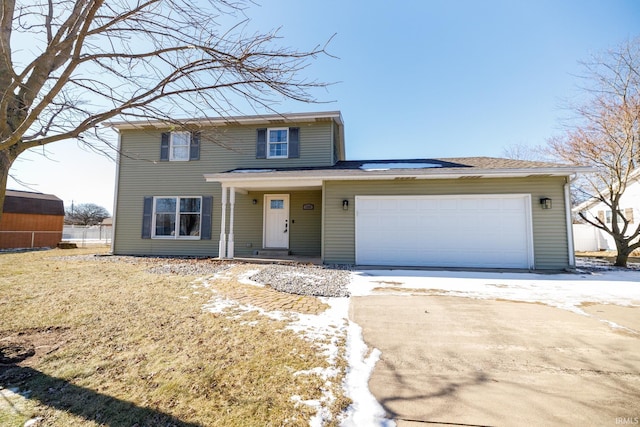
[[179, 146], [278, 143]]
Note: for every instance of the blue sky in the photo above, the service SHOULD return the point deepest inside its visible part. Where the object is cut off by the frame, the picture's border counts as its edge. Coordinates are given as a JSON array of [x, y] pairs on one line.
[[416, 79]]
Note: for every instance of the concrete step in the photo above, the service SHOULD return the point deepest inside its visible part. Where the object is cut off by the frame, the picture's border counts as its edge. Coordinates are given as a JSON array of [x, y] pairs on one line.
[[273, 252]]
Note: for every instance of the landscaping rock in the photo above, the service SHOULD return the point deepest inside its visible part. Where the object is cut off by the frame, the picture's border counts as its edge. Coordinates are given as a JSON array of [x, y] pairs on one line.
[[305, 280]]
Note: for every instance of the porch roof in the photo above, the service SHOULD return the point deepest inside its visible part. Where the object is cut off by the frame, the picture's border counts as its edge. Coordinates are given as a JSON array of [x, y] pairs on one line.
[[445, 168]]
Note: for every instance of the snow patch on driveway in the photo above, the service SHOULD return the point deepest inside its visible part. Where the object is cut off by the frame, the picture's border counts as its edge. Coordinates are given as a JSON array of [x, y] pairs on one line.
[[565, 291]]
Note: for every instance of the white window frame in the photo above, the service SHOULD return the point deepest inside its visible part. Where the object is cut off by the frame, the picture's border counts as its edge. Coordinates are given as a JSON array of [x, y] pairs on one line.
[[173, 158], [269, 143], [176, 235]]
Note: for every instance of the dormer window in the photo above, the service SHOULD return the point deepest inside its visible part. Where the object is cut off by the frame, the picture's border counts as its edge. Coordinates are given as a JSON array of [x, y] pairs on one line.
[[278, 143]]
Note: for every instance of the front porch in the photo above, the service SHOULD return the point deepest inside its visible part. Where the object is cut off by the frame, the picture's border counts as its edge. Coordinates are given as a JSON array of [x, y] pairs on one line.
[[272, 224]]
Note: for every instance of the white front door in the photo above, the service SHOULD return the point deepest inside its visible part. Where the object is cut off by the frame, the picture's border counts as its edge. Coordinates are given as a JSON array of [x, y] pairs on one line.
[[276, 221]]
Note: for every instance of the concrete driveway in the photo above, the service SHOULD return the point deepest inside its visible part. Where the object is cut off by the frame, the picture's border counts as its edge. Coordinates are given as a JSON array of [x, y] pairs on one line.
[[464, 361]]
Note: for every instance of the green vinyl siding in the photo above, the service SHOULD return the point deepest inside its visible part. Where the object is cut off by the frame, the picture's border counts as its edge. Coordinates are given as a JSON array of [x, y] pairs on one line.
[[142, 174], [232, 147], [335, 135], [306, 225], [549, 226]]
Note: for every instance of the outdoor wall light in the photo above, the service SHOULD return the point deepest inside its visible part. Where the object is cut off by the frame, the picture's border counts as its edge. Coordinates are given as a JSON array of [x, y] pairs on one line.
[[254, 201], [545, 203], [345, 205]]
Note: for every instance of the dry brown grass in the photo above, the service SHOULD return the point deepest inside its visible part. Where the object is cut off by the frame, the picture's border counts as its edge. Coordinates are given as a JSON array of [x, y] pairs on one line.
[[115, 345], [609, 255]]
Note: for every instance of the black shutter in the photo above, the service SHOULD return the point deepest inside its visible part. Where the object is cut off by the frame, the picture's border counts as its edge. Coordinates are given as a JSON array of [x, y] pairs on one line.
[[164, 147], [146, 217], [194, 149], [261, 144], [294, 143], [207, 209]]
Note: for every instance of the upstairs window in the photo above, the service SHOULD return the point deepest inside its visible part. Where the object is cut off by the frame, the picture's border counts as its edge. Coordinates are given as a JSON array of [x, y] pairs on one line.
[[277, 143], [179, 143], [180, 146]]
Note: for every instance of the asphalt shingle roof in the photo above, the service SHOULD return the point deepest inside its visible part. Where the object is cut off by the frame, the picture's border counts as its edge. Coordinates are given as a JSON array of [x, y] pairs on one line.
[[32, 203], [438, 164]]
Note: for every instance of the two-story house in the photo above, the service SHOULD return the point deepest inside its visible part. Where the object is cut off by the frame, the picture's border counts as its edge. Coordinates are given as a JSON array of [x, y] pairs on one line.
[[235, 186]]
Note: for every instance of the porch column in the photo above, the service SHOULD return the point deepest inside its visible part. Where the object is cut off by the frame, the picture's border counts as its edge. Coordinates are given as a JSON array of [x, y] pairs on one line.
[[232, 204], [222, 246]]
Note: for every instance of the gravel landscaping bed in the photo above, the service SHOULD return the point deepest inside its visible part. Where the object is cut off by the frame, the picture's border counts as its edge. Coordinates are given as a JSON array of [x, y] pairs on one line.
[[162, 265], [305, 280], [190, 267]]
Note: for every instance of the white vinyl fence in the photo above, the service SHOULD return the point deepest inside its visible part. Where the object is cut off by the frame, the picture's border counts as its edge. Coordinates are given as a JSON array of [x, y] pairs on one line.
[[588, 238], [83, 235]]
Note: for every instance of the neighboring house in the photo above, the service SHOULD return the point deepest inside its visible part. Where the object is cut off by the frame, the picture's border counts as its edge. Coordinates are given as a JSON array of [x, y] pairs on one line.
[[241, 185], [590, 238], [31, 220]]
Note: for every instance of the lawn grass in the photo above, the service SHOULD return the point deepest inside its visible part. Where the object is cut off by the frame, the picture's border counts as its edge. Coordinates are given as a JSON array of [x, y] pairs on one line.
[[116, 345], [609, 256]]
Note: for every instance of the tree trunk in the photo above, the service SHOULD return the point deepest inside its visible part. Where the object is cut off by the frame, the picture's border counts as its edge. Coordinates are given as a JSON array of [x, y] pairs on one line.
[[6, 160], [623, 253]]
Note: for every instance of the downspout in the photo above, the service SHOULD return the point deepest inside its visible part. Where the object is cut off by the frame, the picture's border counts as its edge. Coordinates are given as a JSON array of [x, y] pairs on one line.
[[567, 206], [115, 194]]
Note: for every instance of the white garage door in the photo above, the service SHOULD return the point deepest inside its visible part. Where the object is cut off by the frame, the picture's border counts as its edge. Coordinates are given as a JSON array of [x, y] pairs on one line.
[[489, 231]]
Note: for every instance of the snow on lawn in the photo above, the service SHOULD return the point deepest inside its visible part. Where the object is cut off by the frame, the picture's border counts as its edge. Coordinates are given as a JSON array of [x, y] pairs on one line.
[[365, 409], [327, 329]]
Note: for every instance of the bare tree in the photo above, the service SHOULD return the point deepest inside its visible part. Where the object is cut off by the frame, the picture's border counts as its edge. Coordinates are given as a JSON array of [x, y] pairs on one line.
[[87, 61], [85, 214], [539, 153], [607, 137], [523, 152]]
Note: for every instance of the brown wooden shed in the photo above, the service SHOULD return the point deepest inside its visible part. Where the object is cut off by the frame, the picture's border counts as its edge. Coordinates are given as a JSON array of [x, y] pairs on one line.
[[31, 220]]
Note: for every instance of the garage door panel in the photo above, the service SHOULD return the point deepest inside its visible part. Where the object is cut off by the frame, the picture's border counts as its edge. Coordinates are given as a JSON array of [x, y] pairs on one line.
[[490, 231]]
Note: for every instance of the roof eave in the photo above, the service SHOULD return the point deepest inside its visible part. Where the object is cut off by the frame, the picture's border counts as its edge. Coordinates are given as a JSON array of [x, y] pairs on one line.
[[275, 119], [334, 175]]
